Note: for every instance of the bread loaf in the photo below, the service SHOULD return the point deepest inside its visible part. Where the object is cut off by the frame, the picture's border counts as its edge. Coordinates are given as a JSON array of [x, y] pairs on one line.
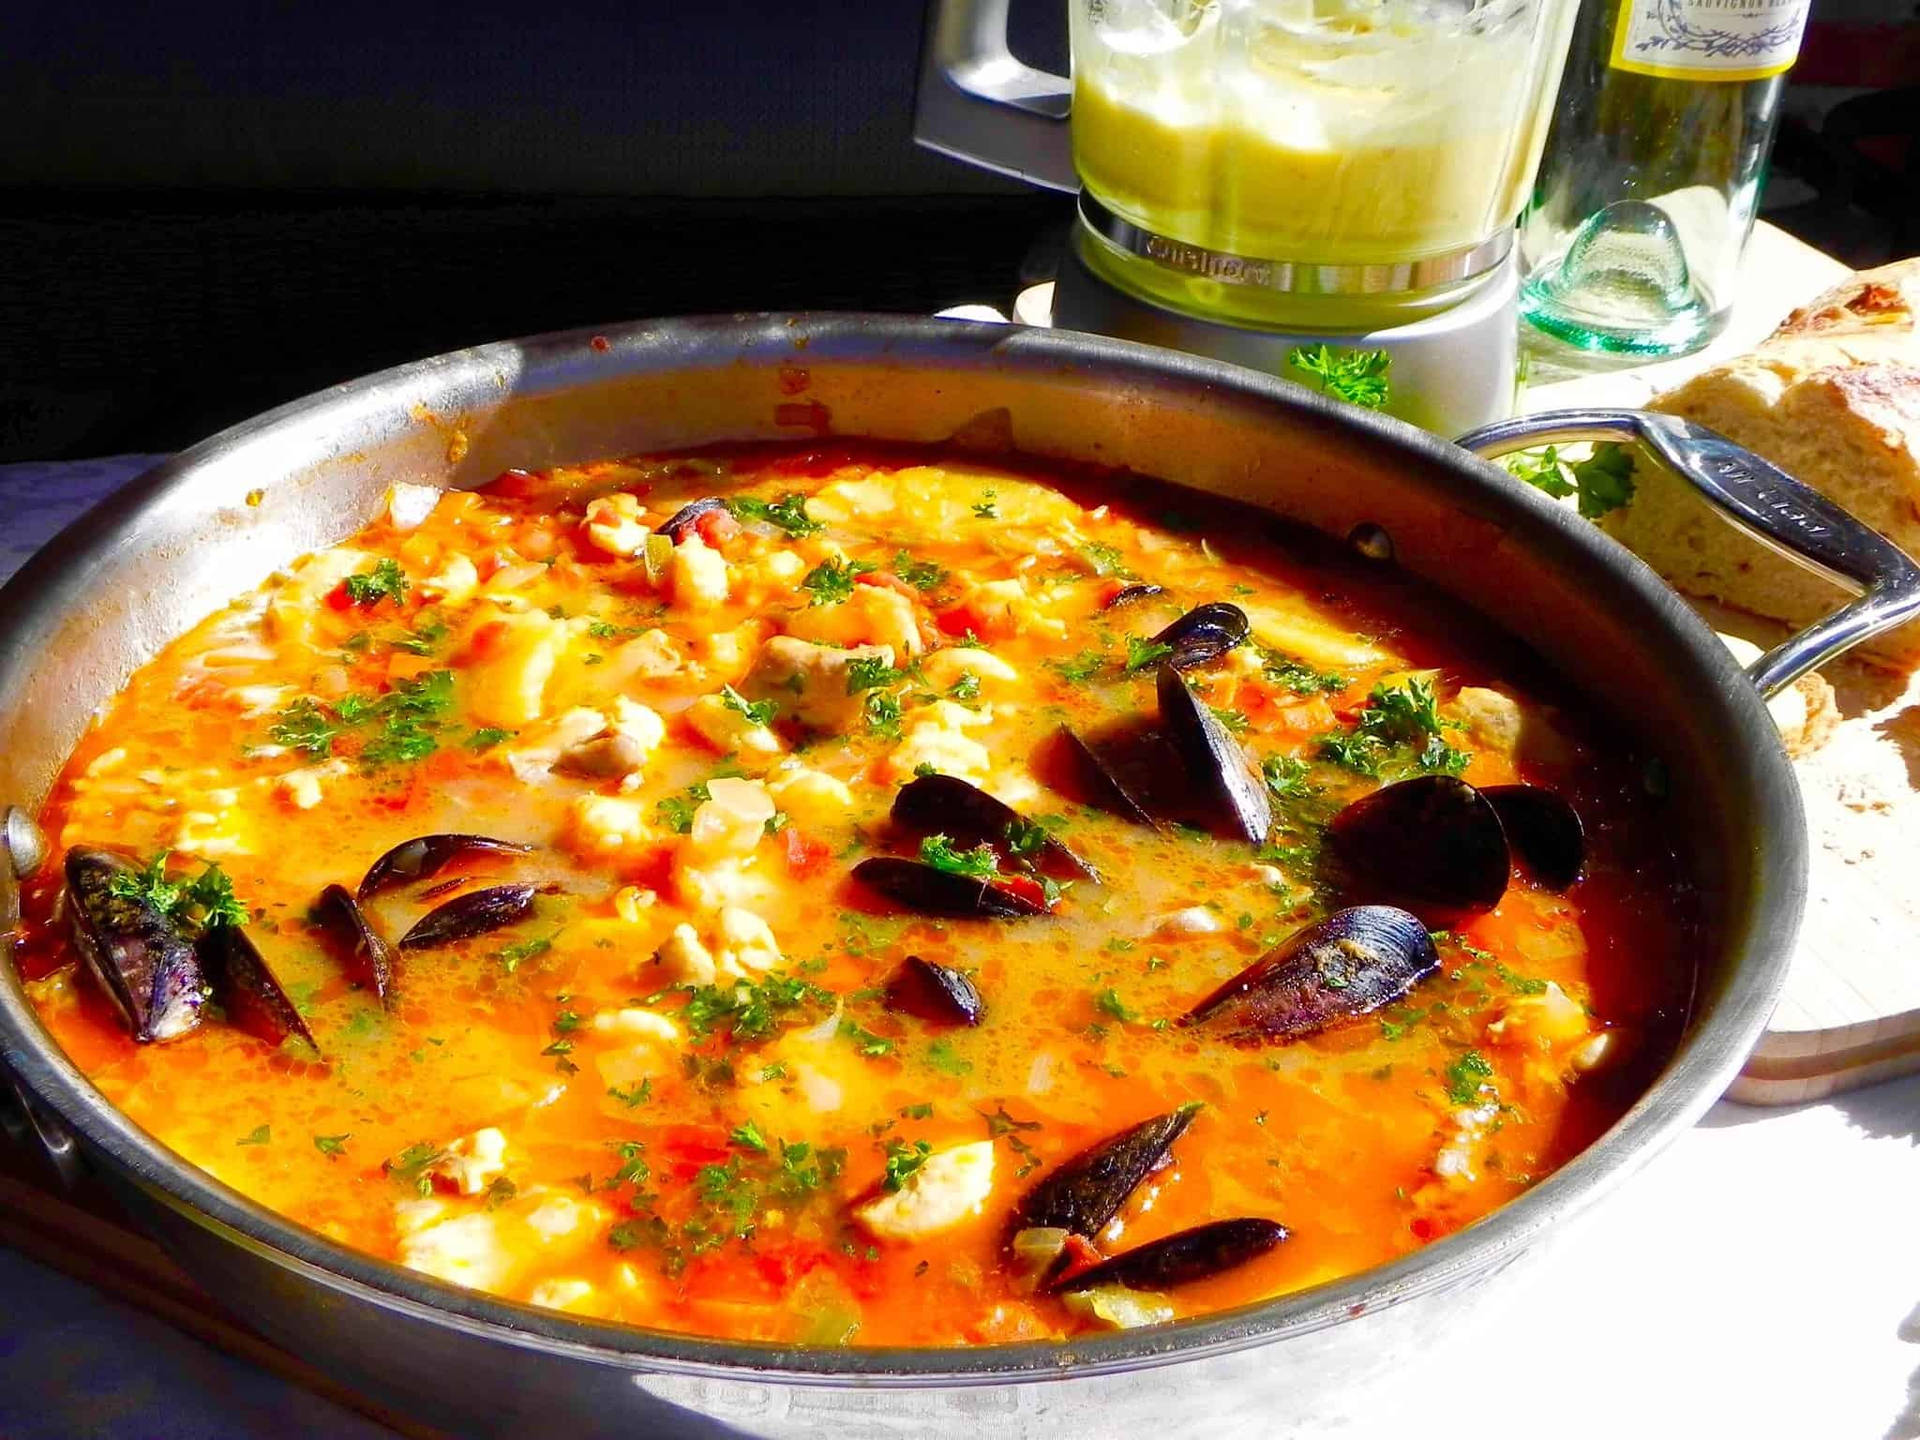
[[1833, 398]]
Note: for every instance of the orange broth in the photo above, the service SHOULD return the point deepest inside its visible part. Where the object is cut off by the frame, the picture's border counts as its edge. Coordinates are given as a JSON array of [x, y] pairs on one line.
[[689, 1144]]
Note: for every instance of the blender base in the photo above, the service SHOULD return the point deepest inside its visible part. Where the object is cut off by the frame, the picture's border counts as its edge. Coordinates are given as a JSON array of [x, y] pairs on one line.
[[1450, 372]]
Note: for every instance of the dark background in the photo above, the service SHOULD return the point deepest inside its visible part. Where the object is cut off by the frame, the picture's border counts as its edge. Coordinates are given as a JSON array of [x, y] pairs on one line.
[[207, 209]]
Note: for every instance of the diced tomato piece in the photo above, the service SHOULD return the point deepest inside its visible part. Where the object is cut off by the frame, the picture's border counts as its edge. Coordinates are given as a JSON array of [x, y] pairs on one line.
[[963, 620], [1026, 887], [338, 597], [715, 527], [804, 853]]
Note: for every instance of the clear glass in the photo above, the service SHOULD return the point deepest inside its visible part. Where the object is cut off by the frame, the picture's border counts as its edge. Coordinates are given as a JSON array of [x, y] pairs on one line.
[[1327, 132], [1644, 201]]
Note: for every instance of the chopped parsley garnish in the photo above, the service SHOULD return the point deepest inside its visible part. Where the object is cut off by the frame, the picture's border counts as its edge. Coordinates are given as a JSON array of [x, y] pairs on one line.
[[986, 509], [1399, 730], [883, 714], [903, 1163], [332, 1145], [1603, 481], [1105, 560], [948, 1061], [486, 737], [750, 1010], [386, 581], [869, 672], [789, 512], [424, 638], [921, 574], [1234, 720], [1286, 777], [259, 1135], [635, 1095], [198, 904], [1465, 1075], [676, 811], [306, 727], [1290, 674], [512, 957], [1357, 376], [412, 1165], [831, 581], [864, 1040], [1108, 1002], [748, 1137], [757, 712], [938, 851], [1142, 653], [1025, 837], [1083, 666], [967, 687]]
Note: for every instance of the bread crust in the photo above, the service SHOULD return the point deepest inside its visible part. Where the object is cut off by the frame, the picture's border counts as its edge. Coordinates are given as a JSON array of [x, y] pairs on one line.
[[1833, 398]]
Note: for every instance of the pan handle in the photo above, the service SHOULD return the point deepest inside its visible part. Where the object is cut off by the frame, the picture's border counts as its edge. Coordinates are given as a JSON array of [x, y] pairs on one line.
[[1791, 518], [26, 1124]]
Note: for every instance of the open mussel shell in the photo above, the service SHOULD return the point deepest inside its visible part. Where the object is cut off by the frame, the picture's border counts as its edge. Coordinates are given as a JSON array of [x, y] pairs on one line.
[[1543, 829], [969, 816], [1086, 1192], [428, 855], [688, 515], [936, 993], [1105, 788], [1434, 844], [247, 990], [1180, 1259], [474, 913], [1214, 761], [1204, 633], [927, 891], [147, 967], [1348, 964], [369, 958]]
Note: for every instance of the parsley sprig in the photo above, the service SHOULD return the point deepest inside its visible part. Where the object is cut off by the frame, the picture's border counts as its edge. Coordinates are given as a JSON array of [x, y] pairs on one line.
[[386, 581], [1357, 376], [789, 512], [198, 904], [1603, 481]]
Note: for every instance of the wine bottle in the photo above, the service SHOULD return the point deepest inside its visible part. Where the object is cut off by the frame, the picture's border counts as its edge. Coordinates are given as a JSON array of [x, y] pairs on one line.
[[1653, 169]]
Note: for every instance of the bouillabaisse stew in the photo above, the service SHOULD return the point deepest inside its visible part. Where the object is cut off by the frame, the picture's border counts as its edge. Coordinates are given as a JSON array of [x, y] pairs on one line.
[[857, 897]]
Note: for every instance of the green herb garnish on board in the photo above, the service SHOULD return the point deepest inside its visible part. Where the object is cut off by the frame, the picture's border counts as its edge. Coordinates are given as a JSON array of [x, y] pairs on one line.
[[1603, 482], [1357, 376]]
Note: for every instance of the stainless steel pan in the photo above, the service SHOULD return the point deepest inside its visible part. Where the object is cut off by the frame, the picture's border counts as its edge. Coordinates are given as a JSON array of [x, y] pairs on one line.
[[219, 518]]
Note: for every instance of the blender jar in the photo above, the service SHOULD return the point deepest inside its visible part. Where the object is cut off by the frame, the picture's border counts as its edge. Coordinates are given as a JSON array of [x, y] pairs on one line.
[[1315, 164]]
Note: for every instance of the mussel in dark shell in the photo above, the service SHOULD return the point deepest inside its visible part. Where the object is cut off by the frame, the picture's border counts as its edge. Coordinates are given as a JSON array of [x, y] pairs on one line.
[[688, 515], [1086, 1192], [1434, 844], [1127, 594], [929, 891], [1348, 964], [246, 989], [936, 993], [1213, 759], [474, 913], [1106, 788], [145, 964], [1204, 633], [969, 816], [369, 958], [1180, 1259], [1543, 830], [427, 855]]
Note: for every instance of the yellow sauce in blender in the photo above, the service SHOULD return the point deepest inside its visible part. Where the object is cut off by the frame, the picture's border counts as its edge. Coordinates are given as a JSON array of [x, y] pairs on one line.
[[1343, 132]]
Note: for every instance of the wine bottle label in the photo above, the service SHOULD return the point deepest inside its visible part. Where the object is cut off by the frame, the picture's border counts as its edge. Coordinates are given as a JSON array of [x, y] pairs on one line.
[[1708, 39]]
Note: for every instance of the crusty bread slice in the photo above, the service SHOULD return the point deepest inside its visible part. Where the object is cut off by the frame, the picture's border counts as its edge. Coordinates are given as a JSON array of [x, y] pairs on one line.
[[1833, 398]]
